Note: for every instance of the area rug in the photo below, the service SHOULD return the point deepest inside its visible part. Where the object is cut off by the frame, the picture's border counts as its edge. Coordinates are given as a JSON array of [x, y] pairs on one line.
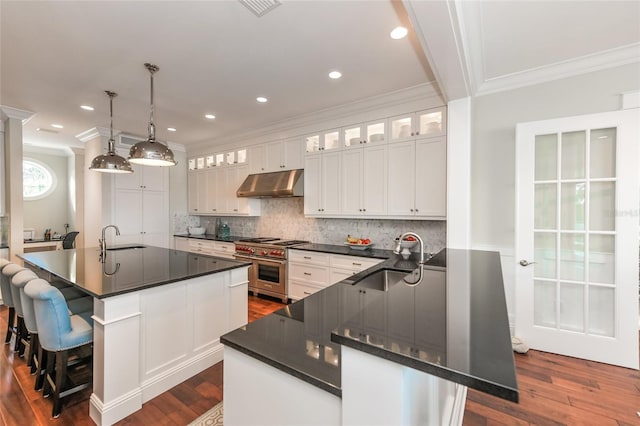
[[213, 417]]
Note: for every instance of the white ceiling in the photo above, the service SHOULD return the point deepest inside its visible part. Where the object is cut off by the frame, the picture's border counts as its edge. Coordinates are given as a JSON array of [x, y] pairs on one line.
[[216, 57]]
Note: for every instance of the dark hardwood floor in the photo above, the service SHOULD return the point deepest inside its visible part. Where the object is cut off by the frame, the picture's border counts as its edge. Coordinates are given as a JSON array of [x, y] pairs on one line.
[[554, 390]]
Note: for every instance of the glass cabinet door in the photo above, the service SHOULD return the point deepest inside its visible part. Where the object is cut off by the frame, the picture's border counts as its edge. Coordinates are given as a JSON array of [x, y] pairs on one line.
[[192, 164], [209, 161], [331, 140], [401, 127], [375, 132], [432, 122], [312, 143], [219, 159], [352, 136]]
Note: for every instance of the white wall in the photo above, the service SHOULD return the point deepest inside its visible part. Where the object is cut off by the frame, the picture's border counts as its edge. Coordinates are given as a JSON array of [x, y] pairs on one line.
[[493, 147], [51, 211]]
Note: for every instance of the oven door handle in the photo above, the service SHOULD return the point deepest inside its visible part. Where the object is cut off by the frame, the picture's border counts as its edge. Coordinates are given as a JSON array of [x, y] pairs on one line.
[[263, 260], [240, 257]]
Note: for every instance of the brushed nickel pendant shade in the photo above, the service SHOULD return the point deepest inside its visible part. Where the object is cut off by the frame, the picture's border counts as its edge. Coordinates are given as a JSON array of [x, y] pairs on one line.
[[111, 162], [151, 152]]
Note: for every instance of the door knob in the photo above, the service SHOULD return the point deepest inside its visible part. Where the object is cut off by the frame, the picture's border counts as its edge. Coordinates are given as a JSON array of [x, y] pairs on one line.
[[525, 262]]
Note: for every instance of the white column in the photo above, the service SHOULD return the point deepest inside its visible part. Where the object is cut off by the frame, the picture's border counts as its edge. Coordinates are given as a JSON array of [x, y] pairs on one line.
[[459, 174]]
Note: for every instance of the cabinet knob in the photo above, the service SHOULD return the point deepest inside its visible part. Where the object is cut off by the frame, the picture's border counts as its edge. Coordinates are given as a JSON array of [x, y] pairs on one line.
[[416, 210], [417, 133], [195, 210], [413, 134], [235, 210], [364, 210], [411, 209], [307, 273]]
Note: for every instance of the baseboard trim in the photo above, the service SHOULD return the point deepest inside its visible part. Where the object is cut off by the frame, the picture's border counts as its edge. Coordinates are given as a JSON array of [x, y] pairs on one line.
[[116, 410]]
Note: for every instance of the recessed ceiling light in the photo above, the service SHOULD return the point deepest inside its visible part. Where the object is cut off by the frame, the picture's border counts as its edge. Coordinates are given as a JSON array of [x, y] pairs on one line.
[[171, 129], [87, 107], [335, 74], [398, 32], [210, 116], [57, 126], [261, 99]]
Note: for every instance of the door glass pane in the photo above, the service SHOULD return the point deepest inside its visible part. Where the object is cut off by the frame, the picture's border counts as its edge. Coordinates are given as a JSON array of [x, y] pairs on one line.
[[352, 136], [603, 153], [572, 207], [430, 123], [601, 310], [602, 206], [601, 259], [332, 140], [572, 257], [545, 205], [573, 159], [231, 157], [545, 255], [544, 300], [312, 143], [375, 132], [209, 161], [571, 307], [219, 159], [401, 128], [546, 162], [242, 156]]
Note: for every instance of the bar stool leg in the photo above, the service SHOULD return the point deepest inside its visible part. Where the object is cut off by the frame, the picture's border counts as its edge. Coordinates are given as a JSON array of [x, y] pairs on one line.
[[48, 374], [61, 374], [10, 322], [32, 360], [43, 356]]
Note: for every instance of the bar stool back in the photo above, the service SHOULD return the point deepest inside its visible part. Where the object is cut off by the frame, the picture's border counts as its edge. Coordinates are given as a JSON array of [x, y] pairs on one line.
[[63, 335], [18, 281], [8, 272]]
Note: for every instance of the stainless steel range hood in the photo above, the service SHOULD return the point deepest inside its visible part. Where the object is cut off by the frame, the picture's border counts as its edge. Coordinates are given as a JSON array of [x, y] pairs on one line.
[[288, 183]]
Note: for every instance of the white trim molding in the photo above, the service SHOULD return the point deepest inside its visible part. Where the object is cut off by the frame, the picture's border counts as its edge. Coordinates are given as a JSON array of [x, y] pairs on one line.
[[7, 112]]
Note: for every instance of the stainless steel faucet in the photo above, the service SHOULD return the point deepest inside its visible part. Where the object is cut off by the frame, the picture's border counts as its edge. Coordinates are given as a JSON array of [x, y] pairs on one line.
[[413, 234], [103, 241]]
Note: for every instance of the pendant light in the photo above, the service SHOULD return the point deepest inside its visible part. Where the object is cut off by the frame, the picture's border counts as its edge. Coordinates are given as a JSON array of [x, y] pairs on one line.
[[111, 162], [151, 152]]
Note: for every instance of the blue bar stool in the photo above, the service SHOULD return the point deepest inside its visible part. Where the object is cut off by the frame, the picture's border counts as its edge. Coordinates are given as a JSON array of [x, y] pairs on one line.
[[8, 272], [66, 337], [18, 281], [5, 289]]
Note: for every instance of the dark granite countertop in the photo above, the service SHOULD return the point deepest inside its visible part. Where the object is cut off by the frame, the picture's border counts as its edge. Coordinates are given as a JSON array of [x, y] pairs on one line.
[[3, 246], [346, 250], [453, 324], [210, 237], [124, 271], [42, 240]]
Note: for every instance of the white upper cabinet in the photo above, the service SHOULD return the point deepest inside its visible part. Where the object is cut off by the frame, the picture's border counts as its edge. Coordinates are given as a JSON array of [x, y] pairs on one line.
[[364, 181], [322, 184], [143, 177], [276, 156], [427, 123]]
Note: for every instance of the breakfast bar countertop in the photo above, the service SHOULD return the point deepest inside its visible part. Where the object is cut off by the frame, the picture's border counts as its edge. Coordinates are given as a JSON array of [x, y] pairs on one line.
[[453, 324], [125, 270]]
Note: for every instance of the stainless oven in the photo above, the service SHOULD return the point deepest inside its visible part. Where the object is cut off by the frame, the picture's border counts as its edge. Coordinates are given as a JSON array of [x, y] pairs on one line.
[[268, 271]]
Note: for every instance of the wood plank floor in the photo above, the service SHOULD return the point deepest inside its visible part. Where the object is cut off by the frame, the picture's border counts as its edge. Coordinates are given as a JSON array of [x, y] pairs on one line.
[[554, 390]]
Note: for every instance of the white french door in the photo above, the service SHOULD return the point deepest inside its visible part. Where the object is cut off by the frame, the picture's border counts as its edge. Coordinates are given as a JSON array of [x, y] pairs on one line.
[[577, 201]]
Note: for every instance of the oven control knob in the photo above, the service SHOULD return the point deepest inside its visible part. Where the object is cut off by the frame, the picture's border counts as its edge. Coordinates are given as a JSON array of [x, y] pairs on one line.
[[264, 252]]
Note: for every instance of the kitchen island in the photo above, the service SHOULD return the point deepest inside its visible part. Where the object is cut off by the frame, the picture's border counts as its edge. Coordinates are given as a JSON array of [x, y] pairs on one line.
[[158, 317], [373, 349]]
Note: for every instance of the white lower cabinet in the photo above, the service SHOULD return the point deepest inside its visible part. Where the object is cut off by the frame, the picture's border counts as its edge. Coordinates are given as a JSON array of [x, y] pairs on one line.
[[207, 247], [309, 272]]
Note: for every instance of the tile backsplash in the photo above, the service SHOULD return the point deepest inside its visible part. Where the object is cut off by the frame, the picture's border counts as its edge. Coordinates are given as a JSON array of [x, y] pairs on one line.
[[284, 218]]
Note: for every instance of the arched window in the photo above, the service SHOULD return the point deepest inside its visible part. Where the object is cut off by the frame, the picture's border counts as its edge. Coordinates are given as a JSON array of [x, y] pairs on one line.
[[38, 179]]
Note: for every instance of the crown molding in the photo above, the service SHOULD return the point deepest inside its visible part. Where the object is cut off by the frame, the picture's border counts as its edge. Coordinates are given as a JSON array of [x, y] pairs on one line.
[[36, 149], [7, 112], [582, 65], [420, 92], [93, 133]]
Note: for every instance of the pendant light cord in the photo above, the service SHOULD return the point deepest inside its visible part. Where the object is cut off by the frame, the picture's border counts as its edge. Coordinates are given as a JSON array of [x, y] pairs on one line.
[[152, 128], [111, 146]]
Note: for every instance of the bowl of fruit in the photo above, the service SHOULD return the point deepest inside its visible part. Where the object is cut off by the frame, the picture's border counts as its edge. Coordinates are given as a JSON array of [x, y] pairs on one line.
[[358, 243], [407, 244]]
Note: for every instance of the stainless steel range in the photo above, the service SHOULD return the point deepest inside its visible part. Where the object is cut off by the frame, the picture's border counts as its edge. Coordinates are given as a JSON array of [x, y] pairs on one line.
[[268, 274]]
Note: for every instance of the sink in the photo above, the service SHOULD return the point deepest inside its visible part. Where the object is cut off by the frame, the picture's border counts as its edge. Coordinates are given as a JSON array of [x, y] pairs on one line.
[[125, 247], [381, 280]]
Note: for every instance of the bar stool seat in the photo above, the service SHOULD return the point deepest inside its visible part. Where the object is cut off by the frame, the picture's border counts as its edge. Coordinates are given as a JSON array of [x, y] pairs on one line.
[[65, 336]]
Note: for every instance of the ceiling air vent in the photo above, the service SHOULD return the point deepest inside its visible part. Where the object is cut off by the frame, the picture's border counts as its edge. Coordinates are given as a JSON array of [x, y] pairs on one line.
[[260, 7], [128, 140], [42, 129]]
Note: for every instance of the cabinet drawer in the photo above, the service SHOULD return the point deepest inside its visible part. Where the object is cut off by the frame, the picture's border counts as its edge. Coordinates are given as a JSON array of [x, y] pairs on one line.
[[299, 290], [354, 263], [309, 274], [338, 275], [309, 257], [227, 249]]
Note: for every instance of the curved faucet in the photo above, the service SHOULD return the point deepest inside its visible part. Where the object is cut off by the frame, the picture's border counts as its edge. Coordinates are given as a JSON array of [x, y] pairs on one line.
[[103, 241], [413, 234]]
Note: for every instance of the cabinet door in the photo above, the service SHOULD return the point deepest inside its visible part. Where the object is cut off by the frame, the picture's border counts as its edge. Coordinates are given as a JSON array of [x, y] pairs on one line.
[[241, 204], [292, 153], [330, 182], [201, 192], [401, 127], [221, 191], [431, 177], [351, 181], [374, 180], [212, 200], [229, 197], [432, 122], [128, 213], [154, 178], [312, 184], [154, 208], [129, 180], [257, 159], [274, 156], [192, 192], [401, 179], [180, 243]]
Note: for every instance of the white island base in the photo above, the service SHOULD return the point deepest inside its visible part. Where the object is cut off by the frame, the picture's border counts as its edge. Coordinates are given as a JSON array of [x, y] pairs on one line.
[[375, 391], [147, 341]]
